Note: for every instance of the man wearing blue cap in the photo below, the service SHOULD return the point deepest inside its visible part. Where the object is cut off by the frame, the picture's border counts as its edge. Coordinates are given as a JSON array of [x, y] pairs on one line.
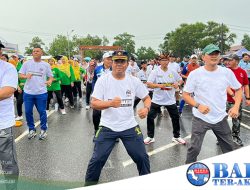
[[114, 94], [209, 84]]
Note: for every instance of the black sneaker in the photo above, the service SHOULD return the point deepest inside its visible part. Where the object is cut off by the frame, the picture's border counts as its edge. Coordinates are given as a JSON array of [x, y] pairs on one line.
[[237, 140]]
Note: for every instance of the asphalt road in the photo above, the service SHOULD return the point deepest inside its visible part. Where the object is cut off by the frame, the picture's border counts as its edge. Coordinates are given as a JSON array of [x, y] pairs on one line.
[[60, 161]]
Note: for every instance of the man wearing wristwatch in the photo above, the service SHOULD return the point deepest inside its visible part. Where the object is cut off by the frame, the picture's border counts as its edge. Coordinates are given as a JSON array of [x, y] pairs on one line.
[[209, 83], [241, 76]]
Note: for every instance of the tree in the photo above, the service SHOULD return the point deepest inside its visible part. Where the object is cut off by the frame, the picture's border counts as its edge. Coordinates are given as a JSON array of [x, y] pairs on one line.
[[144, 53], [59, 46], [188, 37], [246, 41], [36, 42], [126, 41]]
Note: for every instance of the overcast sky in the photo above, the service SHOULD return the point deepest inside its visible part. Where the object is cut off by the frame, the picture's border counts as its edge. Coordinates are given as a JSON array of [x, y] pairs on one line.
[[148, 20]]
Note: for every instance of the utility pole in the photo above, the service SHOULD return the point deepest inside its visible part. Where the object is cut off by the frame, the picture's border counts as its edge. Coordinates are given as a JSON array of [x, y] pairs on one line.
[[222, 39], [68, 35]]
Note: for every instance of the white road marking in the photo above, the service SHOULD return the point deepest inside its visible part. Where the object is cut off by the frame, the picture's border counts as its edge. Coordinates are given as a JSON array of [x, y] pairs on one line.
[[156, 151], [244, 125], [246, 110], [27, 131]]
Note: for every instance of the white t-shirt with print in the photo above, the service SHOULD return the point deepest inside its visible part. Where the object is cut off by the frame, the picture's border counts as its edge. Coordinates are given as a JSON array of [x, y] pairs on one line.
[[143, 76], [210, 88], [164, 96], [174, 66], [40, 71], [8, 78], [133, 70], [107, 88]]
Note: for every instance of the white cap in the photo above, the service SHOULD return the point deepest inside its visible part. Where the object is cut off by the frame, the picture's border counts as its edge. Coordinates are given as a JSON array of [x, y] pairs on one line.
[[107, 54], [193, 56]]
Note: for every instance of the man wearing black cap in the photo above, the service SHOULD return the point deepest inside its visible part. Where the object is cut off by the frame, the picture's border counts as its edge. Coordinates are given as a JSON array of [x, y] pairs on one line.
[[8, 158], [209, 84], [241, 76], [114, 94]]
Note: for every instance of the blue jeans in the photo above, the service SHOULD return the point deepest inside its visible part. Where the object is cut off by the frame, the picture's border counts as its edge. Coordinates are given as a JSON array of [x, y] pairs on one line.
[[40, 102]]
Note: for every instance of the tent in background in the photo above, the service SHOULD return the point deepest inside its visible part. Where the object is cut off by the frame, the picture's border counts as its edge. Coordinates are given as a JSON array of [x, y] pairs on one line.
[[239, 52]]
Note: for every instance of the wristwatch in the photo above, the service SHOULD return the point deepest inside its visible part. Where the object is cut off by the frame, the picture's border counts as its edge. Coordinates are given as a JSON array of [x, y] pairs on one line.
[[197, 105]]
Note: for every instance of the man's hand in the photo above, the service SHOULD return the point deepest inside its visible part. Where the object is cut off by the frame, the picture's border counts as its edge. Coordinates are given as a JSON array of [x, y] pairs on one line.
[[28, 76], [143, 112], [116, 102], [72, 84], [203, 109], [48, 83], [233, 112], [175, 85]]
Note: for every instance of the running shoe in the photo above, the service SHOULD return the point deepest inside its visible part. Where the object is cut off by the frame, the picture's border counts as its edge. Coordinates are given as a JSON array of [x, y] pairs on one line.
[[237, 140], [19, 118], [63, 112], [32, 134], [179, 140], [42, 135], [149, 140]]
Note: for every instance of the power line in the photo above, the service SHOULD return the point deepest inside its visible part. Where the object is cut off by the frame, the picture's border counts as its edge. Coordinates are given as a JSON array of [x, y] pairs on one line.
[[26, 32], [238, 26]]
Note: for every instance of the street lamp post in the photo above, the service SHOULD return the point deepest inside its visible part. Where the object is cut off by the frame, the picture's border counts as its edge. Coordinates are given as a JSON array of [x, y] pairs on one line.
[[68, 35]]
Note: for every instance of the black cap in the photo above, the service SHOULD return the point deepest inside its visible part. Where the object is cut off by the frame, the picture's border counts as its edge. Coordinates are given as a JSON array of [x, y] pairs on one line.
[[1, 45], [233, 56], [120, 55], [172, 55]]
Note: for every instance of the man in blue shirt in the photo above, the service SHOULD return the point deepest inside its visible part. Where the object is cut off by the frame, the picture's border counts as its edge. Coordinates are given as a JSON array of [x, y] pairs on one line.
[[99, 71], [245, 63]]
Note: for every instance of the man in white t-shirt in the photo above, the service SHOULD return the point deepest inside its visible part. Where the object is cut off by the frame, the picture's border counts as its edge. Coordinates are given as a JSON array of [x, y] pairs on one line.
[[114, 94], [164, 82], [209, 84], [8, 158], [143, 75], [132, 68], [176, 67], [36, 72]]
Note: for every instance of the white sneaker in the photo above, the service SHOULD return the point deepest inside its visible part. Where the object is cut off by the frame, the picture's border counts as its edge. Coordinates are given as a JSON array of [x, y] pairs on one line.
[[66, 100], [18, 118], [80, 100], [149, 140], [56, 106], [63, 112], [72, 107], [87, 107], [179, 140]]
